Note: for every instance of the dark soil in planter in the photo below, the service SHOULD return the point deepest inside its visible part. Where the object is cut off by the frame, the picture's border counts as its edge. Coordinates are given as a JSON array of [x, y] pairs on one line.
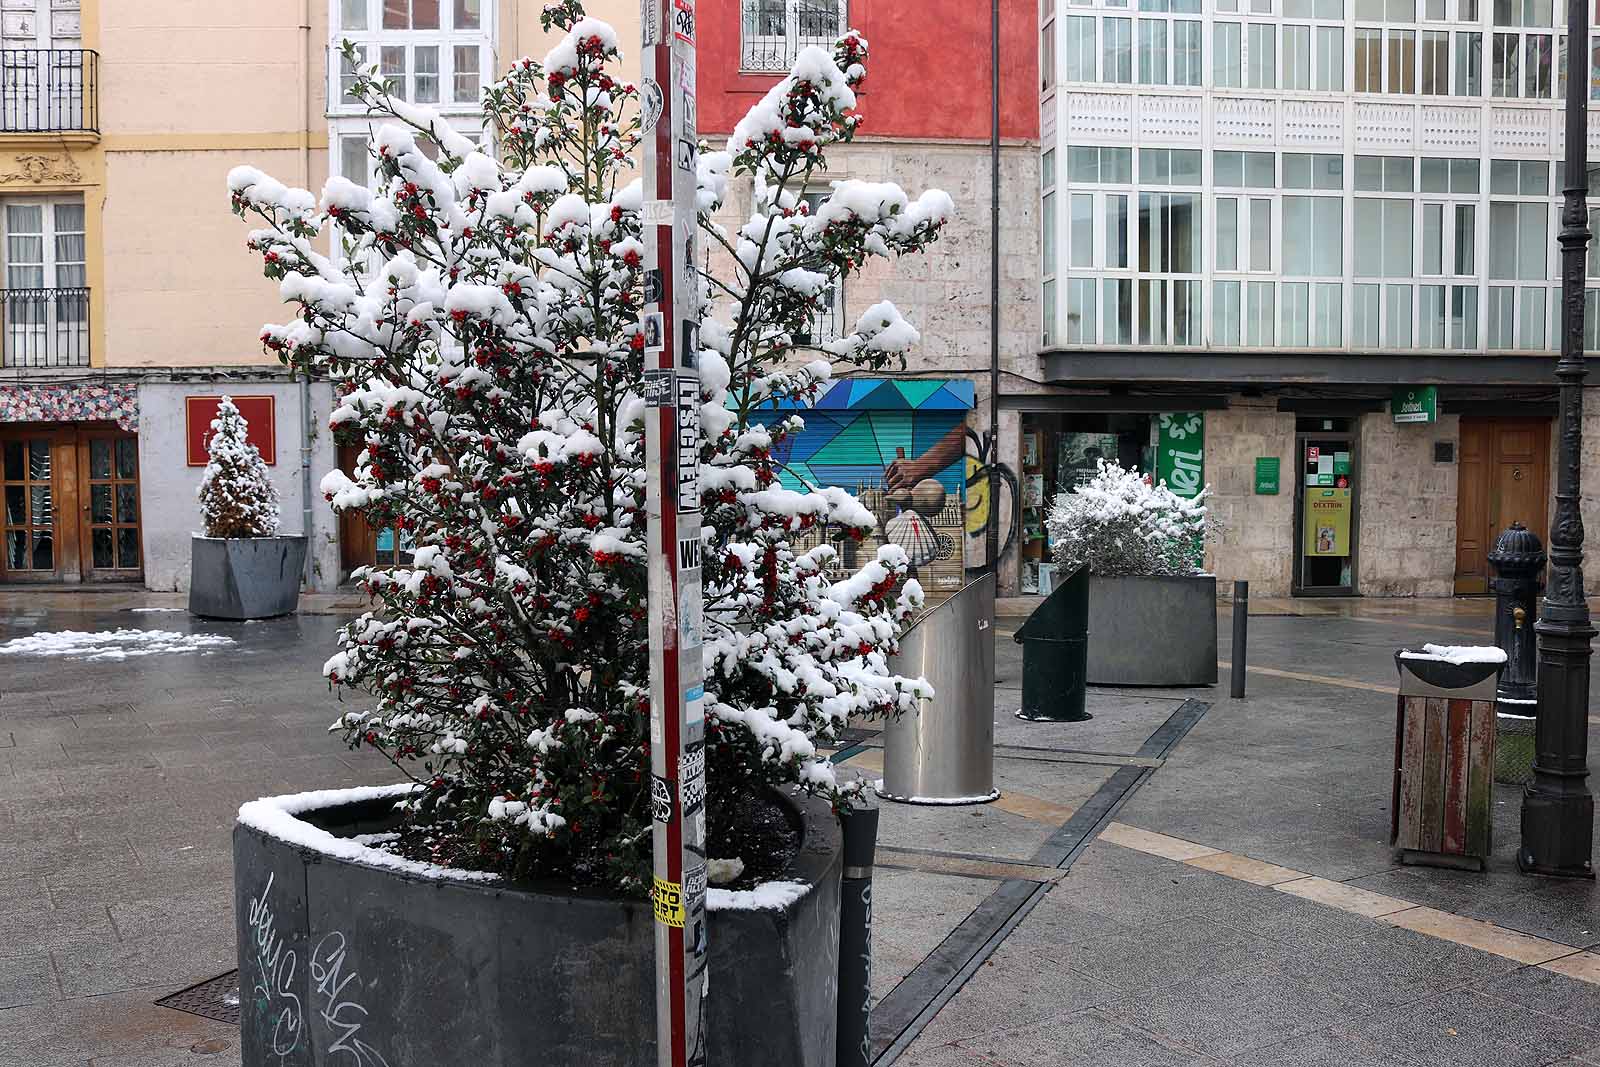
[[757, 829]]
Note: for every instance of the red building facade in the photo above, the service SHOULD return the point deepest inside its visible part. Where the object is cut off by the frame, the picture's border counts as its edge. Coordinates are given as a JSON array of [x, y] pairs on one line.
[[926, 108]]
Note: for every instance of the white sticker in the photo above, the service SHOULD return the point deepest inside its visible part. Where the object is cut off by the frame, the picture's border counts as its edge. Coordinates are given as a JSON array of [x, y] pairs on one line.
[[651, 103], [650, 20], [656, 213], [691, 610], [654, 328]]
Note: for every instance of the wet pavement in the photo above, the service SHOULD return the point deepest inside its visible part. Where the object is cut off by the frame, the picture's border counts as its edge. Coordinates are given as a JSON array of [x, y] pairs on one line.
[[1224, 915]]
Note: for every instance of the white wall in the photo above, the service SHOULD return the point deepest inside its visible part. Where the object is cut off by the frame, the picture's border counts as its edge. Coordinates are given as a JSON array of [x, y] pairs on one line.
[[168, 484]]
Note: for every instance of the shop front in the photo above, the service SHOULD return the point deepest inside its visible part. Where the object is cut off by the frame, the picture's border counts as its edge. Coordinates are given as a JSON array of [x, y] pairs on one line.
[[70, 507]]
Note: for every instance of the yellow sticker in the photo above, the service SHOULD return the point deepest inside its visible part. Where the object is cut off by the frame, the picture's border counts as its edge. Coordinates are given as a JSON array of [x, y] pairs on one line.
[[668, 898]]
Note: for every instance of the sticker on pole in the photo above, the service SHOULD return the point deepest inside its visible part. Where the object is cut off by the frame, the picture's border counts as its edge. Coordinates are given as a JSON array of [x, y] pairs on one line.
[[652, 101], [654, 328], [650, 20], [660, 798], [656, 213], [668, 899], [688, 445], [683, 20], [694, 702], [694, 886], [658, 388], [692, 779]]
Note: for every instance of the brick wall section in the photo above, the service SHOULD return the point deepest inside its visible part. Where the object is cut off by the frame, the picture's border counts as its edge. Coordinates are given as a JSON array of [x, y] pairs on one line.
[[1407, 508], [1255, 543]]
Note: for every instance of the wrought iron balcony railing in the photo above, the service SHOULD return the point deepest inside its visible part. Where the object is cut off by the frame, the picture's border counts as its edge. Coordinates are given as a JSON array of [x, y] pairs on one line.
[[49, 90], [774, 31], [44, 327]]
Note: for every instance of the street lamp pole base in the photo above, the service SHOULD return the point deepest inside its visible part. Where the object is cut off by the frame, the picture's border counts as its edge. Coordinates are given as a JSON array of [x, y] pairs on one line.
[[1557, 834]]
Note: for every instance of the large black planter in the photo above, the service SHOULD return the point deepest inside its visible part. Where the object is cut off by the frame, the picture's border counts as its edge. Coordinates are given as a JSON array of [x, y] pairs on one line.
[[245, 577], [344, 959], [1153, 631]]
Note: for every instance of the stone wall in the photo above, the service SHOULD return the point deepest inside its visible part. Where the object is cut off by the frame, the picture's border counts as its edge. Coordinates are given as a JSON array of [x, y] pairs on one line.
[[1256, 543], [1406, 505]]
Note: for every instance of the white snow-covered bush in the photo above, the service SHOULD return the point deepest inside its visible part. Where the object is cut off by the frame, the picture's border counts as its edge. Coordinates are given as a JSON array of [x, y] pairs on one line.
[[1121, 523], [482, 325], [237, 497]]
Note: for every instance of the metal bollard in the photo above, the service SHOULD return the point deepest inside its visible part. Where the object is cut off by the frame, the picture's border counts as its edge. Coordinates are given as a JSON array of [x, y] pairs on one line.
[[944, 753], [1241, 635], [854, 1045]]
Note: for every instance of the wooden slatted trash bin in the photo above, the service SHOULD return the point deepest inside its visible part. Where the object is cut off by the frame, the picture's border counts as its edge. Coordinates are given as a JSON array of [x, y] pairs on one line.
[[1441, 813]]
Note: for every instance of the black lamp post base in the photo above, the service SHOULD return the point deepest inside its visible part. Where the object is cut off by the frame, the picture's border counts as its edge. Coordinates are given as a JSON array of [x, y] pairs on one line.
[[1557, 834]]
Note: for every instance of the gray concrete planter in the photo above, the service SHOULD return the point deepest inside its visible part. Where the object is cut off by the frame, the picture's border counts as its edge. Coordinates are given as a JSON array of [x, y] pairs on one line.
[[1153, 631], [245, 577], [349, 955]]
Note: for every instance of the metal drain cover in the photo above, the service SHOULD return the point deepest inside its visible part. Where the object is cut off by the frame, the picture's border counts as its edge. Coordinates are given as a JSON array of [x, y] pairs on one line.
[[217, 998]]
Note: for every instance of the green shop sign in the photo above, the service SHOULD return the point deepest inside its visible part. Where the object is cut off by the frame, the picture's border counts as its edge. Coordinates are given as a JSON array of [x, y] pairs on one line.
[[1181, 452], [1268, 469], [1415, 403]]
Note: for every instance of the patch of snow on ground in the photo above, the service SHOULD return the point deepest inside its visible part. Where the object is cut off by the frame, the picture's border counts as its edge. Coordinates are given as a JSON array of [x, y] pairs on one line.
[[151, 611], [112, 644]]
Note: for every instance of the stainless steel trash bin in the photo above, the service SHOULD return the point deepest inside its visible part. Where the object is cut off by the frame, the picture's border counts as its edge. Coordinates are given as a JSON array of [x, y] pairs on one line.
[[944, 754]]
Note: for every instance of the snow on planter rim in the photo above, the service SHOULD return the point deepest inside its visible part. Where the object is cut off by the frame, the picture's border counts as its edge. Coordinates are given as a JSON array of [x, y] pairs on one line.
[[1457, 654], [279, 817]]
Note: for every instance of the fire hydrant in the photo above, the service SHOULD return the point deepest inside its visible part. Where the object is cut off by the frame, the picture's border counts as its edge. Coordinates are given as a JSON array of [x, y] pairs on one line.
[[1518, 558]]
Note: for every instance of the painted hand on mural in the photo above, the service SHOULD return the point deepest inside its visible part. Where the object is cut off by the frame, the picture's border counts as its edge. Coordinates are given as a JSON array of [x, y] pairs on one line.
[[905, 473]]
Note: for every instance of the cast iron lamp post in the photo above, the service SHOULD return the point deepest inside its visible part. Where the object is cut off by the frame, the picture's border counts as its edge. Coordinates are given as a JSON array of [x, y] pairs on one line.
[[1557, 807]]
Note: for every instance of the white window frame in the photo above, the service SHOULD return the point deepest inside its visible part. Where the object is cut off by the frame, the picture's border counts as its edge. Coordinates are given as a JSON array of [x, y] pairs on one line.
[[445, 39], [26, 333]]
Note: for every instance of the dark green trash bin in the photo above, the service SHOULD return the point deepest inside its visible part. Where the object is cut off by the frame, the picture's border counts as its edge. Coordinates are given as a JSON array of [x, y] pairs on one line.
[[1055, 654]]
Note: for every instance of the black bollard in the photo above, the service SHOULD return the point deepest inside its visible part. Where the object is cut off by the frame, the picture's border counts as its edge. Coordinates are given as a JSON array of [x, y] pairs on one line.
[[860, 830], [1241, 635]]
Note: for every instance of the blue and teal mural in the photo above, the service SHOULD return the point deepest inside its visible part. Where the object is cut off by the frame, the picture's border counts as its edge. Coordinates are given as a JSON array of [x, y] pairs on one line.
[[900, 447]]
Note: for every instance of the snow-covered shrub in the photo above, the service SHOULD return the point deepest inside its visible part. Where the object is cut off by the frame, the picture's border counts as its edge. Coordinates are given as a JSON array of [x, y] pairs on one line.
[[237, 498], [1119, 523], [481, 321]]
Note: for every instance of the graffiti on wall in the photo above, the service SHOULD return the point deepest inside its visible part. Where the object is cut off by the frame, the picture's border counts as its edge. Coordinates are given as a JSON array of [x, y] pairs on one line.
[[900, 447], [983, 465]]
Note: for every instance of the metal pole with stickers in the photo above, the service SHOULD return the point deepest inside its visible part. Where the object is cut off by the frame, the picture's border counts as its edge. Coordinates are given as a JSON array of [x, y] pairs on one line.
[[672, 386]]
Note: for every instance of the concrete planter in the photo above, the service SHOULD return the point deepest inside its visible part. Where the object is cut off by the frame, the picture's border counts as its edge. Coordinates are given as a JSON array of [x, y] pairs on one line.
[[245, 577], [341, 954], [1153, 631]]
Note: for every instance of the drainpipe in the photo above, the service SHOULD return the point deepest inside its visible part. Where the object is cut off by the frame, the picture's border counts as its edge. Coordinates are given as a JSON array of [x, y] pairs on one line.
[[307, 417]]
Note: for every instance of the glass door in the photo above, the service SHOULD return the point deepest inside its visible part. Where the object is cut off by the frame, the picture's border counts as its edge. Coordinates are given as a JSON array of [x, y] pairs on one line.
[[1325, 514], [109, 466], [27, 508]]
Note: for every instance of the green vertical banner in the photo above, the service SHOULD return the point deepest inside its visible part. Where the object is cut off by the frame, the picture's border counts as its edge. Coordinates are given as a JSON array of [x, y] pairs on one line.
[[1181, 452]]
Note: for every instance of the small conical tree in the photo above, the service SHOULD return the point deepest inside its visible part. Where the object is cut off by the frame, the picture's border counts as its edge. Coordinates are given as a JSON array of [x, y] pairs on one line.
[[236, 494]]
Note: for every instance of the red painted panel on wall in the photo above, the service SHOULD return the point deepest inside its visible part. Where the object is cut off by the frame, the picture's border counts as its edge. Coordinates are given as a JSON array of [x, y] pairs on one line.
[[259, 416], [928, 75]]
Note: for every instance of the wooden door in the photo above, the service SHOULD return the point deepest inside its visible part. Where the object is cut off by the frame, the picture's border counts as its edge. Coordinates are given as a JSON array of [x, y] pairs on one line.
[[108, 506], [1504, 477]]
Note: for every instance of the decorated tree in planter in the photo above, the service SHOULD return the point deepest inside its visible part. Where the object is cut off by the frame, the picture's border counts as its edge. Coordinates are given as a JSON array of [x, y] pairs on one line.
[[237, 498], [481, 320], [1122, 523]]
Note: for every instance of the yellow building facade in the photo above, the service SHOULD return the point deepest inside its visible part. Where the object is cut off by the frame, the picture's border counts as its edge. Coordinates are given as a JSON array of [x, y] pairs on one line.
[[128, 297]]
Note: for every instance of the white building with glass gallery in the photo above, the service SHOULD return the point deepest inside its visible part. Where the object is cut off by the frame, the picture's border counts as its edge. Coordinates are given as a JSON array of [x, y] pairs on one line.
[[1280, 211]]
